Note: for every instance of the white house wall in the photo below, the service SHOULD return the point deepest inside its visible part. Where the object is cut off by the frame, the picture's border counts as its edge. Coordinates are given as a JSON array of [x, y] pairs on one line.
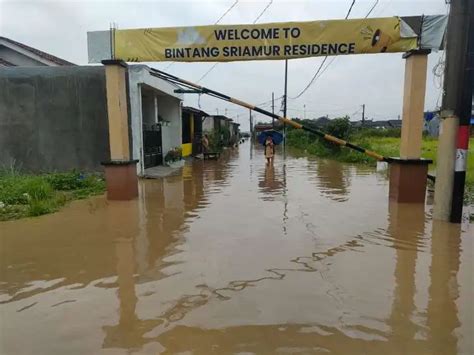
[[169, 107]]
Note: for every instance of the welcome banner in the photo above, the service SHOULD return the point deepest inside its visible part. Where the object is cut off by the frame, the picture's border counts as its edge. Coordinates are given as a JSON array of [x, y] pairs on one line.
[[224, 43]]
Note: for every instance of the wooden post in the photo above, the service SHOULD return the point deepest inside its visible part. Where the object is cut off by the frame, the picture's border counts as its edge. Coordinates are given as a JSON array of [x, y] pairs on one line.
[[120, 170], [408, 173], [413, 103]]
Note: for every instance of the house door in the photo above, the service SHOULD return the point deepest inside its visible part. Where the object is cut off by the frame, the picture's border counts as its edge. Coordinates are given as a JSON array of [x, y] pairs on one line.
[[152, 149]]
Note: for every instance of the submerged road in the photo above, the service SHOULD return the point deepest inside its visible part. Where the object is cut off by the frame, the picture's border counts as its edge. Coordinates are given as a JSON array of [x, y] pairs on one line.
[[236, 257]]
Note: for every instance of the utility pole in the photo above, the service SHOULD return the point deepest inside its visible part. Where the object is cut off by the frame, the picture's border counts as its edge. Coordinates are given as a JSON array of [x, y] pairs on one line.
[[285, 98], [363, 114], [273, 110], [455, 109], [251, 123], [465, 111], [304, 111]]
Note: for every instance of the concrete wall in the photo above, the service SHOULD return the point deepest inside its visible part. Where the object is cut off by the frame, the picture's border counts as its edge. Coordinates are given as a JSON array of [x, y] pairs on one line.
[[53, 118], [168, 107]]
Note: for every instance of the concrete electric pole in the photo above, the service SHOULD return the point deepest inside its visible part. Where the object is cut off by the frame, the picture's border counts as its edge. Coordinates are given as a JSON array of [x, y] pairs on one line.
[[456, 109], [363, 114]]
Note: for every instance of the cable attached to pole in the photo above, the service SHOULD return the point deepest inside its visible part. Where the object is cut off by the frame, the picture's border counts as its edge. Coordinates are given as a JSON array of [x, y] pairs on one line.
[[201, 89]]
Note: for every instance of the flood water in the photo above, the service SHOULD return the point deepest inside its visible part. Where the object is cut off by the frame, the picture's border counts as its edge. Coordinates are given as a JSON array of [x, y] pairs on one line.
[[234, 257]]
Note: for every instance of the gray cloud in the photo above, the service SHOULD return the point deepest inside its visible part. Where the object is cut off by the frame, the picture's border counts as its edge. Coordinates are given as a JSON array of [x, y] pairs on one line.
[[60, 27]]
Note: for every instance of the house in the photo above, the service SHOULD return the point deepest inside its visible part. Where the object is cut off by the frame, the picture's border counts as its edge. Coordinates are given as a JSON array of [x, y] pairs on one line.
[[235, 132], [383, 124], [260, 127], [55, 118], [321, 122], [16, 54], [214, 123], [192, 122], [155, 111]]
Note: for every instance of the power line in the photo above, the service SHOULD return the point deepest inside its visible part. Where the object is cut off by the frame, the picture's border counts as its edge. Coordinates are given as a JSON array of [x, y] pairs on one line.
[[350, 9], [372, 8], [313, 79], [265, 9], [256, 19], [207, 72], [227, 11], [215, 23]]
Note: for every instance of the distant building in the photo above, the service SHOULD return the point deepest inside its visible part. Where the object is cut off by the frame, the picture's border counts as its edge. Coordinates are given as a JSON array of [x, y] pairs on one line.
[[16, 54], [215, 123], [228, 129], [321, 121], [260, 127], [383, 124], [192, 122], [235, 132]]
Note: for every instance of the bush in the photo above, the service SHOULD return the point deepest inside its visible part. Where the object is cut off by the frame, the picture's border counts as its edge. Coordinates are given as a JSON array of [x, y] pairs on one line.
[[67, 181], [38, 189], [339, 127], [373, 132], [18, 190], [40, 207], [174, 154], [34, 195]]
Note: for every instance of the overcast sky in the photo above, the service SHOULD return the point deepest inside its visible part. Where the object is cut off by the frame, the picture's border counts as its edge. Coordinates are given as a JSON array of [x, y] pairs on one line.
[[59, 27]]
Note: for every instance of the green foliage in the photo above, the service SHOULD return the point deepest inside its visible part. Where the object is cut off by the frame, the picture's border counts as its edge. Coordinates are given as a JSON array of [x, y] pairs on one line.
[[215, 144], [225, 136], [174, 154], [69, 181], [339, 127], [40, 207], [374, 132], [33, 195]]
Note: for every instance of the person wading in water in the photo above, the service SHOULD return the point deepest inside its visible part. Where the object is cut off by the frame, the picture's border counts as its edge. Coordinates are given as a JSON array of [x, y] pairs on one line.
[[205, 144], [269, 149]]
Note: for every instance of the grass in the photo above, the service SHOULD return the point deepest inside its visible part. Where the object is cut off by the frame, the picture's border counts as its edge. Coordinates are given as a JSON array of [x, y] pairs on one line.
[[386, 146], [23, 195]]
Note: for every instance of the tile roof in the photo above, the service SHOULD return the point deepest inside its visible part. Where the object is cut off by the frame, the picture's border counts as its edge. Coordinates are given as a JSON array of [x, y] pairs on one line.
[[37, 52]]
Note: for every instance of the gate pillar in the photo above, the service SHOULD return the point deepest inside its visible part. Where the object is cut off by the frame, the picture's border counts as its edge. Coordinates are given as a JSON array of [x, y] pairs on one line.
[[120, 171], [408, 174]]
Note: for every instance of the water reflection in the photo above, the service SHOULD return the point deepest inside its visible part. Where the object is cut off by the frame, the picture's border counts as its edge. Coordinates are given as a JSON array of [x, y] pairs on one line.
[[332, 178], [271, 182], [188, 268], [442, 312], [406, 227], [405, 230]]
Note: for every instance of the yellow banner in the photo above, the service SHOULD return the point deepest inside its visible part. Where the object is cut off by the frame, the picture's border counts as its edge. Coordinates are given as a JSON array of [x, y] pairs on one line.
[[224, 43]]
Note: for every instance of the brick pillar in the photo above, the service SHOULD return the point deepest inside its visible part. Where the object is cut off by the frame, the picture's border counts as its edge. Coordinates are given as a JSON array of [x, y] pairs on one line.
[[120, 171], [408, 173]]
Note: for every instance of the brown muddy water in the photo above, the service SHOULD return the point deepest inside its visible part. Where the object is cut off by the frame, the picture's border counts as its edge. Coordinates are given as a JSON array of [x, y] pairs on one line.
[[233, 257]]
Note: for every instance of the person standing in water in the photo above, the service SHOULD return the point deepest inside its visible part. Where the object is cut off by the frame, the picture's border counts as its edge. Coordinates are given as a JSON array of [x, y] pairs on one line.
[[269, 149], [205, 144]]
